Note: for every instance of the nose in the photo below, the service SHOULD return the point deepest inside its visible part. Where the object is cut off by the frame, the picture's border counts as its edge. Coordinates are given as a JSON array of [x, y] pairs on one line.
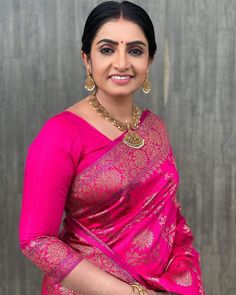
[[121, 61]]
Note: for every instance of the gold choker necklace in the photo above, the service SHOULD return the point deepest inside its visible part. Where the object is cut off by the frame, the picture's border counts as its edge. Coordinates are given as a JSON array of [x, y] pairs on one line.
[[132, 138]]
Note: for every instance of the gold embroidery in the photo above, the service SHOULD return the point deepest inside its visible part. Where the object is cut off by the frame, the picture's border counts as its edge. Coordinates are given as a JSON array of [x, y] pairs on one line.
[[48, 252], [140, 159], [65, 291], [56, 252], [137, 257], [143, 240], [168, 175], [137, 254], [168, 234], [162, 219], [183, 278], [186, 229], [108, 181]]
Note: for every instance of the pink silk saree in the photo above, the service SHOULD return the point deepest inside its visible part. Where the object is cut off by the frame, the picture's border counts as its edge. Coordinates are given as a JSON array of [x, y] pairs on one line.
[[121, 210]]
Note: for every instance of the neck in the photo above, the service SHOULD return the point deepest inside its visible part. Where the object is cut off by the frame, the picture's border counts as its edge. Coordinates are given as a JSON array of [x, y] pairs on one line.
[[119, 106]]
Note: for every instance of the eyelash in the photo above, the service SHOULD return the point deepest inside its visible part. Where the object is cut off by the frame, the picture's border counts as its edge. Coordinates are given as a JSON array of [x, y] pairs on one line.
[[137, 52], [106, 51], [109, 51]]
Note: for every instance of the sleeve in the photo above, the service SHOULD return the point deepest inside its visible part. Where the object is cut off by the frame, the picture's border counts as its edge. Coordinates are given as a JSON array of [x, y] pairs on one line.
[[49, 169], [182, 274]]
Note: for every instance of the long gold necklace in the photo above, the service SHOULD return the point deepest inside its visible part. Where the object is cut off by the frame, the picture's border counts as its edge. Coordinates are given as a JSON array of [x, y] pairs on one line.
[[132, 138]]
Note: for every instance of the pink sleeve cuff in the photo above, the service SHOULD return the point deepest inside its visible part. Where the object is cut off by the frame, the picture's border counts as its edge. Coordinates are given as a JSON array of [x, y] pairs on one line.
[[52, 256]]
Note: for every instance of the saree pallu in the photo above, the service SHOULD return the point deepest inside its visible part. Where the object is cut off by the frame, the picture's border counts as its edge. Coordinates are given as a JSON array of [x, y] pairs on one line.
[[122, 214]]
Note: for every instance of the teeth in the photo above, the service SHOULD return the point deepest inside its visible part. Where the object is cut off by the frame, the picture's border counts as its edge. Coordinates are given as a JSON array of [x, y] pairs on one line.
[[120, 77]]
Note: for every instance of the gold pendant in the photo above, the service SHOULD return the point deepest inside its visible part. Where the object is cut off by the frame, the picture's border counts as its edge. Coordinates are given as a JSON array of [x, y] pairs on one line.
[[133, 139]]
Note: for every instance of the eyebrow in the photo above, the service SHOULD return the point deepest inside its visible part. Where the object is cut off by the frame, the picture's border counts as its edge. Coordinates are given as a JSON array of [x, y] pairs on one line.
[[136, 42]]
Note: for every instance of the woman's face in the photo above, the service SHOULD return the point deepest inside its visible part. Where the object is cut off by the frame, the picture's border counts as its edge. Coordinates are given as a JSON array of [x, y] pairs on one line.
[[119, 58]]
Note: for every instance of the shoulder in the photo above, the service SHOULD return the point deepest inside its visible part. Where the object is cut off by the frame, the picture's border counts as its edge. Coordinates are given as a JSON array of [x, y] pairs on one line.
[[56, 126], [158, 129], [58, 132], [157, 124]]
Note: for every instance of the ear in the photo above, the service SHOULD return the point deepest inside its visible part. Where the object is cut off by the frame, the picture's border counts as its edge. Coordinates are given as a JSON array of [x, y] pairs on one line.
[[86, 60]]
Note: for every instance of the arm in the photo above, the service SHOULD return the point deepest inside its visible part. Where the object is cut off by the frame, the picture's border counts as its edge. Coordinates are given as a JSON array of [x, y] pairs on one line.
[[183, 274], [90, 280], [49, 170]]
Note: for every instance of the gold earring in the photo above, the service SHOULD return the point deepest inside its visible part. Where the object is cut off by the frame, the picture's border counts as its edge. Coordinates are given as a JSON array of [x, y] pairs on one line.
[[146, 86], [89, 82]]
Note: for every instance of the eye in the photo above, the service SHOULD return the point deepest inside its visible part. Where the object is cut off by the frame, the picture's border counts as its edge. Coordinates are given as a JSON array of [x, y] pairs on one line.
[[136, 52], [106, 50]]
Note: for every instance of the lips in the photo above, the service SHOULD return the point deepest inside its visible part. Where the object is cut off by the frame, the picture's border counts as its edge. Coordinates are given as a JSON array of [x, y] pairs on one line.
[[120, 77]]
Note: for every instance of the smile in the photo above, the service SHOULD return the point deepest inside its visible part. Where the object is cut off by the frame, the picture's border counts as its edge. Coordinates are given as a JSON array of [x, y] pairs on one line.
[[116, 77]]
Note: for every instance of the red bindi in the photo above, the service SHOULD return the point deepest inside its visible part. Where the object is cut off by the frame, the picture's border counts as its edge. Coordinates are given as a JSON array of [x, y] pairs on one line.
[[121, 41]]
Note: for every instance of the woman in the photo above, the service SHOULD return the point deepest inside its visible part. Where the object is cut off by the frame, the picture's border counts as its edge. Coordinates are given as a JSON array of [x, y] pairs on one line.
[[109, 165]]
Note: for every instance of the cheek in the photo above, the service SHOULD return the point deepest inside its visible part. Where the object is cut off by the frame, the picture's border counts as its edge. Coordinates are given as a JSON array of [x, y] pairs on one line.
[[142, 66], [99, 64], [142, 70]]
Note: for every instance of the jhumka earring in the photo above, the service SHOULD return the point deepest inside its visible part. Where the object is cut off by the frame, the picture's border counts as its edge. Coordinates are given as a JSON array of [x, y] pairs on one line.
[[146, 86], [89, 82]]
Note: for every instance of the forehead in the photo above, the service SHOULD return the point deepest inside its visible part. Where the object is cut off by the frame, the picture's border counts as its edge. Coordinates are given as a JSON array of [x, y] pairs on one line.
[[120, 29]]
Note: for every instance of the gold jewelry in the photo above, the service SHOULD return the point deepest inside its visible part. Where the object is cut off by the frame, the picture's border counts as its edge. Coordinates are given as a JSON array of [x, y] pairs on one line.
[[140, 288], [132, 138], [146, 86], [89, 82]]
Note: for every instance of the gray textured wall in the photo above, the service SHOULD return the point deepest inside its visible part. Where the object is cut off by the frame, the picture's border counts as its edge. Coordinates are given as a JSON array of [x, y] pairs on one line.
[[194, 90]]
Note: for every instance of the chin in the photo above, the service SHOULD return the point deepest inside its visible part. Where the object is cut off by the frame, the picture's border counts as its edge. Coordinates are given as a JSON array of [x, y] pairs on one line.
[[122, 92], [118, 91]]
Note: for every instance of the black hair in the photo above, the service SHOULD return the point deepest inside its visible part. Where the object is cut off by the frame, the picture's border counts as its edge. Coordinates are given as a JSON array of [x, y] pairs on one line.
[[110, 10]]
